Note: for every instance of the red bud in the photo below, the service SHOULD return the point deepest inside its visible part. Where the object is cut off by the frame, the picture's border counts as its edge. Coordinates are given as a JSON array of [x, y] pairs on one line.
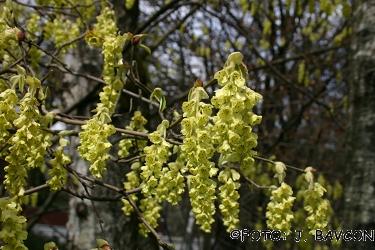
[[105, 247], [198, 83], [136, 41], [21, 36], [125, 63]]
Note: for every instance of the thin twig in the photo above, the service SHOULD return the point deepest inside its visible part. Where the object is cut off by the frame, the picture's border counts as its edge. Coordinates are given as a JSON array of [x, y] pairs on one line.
[[142, 98], [32, 190], [131, 159], [103, 184], [91, 200], [51, 55], [132, 78], [273, 162], [91, 197], [119, 130], [149, 227], [257, 185]]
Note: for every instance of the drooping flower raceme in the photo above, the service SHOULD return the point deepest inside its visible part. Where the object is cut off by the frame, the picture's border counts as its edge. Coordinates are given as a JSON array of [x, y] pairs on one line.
[[318, 209], [156, 156], [28, 145], [198, 149], [232, 132], [234, 121], [26, 149], [13, 223], [95, 144], [97, 130], [279, 215], [105, 35], [58, 173], [8, 99], [229, 195], [112, 75], [172, 182]]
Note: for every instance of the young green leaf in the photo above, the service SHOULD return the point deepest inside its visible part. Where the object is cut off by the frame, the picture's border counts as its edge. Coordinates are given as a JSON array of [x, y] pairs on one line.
[[145, 48]]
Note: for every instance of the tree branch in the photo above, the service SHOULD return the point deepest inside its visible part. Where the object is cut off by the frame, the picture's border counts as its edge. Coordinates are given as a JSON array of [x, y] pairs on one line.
[[149, 227]]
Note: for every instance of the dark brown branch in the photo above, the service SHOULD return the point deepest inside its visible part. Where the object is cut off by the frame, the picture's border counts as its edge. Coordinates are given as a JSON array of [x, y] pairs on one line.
[[143, 87], [57, 51], [89, 196], [103, 184], [131, 159], [257, 185], [174, 28], [120, 130], [155, 16], [142, 98], [33, 190], [149, 227], [51, 55]]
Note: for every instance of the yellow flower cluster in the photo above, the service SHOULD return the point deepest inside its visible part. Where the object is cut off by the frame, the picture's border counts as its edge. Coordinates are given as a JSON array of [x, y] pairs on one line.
[[279, 215], [28, 145], [96, 153], [104, 35], [12, 225], [198, 149], [232, 132], [234, 121], [318, 209], [156, 155], [229, 195], [152, 172], [58, 173], [8, 99]]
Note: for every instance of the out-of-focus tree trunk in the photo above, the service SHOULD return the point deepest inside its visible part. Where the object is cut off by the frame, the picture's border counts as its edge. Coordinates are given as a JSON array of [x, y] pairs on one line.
[[82, 226], [360, 148]]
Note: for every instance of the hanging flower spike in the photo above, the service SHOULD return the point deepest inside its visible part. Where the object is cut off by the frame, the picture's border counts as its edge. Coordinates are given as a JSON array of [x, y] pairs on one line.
[[232, 132], [279, 215]]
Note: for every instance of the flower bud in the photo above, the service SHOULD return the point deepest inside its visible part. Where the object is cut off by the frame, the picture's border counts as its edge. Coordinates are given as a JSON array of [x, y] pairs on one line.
[[136, 41], [198, 83], [309, 176], [21, 36], [103, 244], [279, 167]]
